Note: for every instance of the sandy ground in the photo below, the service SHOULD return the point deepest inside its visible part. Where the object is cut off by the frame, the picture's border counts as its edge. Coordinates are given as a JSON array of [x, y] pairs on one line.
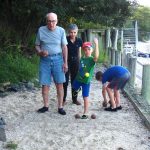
[[122, 130]]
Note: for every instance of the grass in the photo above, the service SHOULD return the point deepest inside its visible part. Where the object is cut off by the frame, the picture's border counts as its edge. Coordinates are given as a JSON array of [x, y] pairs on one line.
[[102, 57], [15, 67], [11, 145]]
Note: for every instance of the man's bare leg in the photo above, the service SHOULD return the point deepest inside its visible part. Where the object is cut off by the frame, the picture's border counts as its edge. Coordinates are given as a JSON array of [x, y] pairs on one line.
[[45, 93], [60, 95]]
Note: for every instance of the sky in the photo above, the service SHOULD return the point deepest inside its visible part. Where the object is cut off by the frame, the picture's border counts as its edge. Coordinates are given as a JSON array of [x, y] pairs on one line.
[[144, 2]]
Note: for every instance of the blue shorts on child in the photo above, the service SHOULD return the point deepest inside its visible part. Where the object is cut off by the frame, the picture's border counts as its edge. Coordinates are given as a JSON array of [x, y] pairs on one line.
[[85, 87]]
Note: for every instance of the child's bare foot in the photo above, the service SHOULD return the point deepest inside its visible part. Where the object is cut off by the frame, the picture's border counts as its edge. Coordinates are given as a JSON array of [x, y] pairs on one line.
[[105, 103]]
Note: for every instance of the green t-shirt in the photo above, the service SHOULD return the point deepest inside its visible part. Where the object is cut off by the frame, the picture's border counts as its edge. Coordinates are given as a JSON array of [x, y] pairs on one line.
[[86, 69]]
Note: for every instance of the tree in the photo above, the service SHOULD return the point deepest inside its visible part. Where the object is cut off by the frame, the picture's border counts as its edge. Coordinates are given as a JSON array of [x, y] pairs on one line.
[[106, 12], [23, 17], [142, 15]]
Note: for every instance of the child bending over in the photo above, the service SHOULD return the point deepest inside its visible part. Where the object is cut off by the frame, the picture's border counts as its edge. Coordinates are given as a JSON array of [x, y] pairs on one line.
[[113, 79]]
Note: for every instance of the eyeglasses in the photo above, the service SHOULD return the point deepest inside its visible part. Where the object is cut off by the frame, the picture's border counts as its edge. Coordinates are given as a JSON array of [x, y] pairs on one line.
[[51, 21]]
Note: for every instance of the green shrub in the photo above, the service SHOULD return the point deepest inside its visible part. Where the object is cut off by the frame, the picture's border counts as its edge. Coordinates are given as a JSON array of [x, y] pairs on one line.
[[102, 57], [89, 25], [15, 67], [11, 145]]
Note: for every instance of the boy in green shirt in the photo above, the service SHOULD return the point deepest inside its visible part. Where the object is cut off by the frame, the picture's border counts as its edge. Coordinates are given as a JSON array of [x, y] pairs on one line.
[[85, 73]]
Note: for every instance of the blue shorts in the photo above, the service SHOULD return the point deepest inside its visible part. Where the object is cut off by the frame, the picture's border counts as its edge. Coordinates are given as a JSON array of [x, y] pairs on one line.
[[51, 66], [85, 87], [119, 83]]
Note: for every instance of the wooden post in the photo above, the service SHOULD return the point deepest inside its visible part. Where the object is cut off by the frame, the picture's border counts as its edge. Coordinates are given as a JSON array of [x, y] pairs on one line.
[[108, 44], [109, 55], [122, 50], [132, 69], [108, 41], [114, 38], [127, 60], [113, 56], [117, 57], [89, 35], [146, 83], [136, 38], [121, 46]]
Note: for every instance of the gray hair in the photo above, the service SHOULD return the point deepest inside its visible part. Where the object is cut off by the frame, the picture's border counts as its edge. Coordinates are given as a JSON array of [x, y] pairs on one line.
[[72, 27], [51, 14]]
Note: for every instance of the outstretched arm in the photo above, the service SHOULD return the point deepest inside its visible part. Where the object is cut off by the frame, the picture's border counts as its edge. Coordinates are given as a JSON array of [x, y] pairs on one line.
[[96, 56]]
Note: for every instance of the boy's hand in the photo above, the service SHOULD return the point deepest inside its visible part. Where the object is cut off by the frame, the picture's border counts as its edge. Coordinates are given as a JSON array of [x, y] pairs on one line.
[[96, 41]]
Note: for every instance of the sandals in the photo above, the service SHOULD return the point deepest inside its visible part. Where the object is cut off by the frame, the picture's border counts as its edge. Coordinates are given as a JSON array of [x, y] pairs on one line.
[[42, 110], [84, 117], [111, 109], [119, 107]]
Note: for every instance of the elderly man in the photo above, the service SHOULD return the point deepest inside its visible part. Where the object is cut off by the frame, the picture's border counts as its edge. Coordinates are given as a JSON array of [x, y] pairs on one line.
[[51, 47]]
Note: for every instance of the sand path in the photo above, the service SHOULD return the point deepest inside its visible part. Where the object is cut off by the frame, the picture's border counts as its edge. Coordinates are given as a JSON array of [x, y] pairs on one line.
[[122, 130]]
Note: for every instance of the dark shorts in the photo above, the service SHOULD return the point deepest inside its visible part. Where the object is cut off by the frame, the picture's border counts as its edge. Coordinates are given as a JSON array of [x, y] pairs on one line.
[[85, 87], [119, 83]]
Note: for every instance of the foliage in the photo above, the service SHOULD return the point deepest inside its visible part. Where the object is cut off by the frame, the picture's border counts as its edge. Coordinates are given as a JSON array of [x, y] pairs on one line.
[[88, 25], [12, 145], [27, 14], [102, 57], [142, 15], [15, 67], [105, 12], [20, 19]]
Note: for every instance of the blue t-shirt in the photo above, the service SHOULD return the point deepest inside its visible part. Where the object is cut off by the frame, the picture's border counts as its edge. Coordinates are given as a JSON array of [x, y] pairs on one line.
[[113, 72], [51, 41]]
